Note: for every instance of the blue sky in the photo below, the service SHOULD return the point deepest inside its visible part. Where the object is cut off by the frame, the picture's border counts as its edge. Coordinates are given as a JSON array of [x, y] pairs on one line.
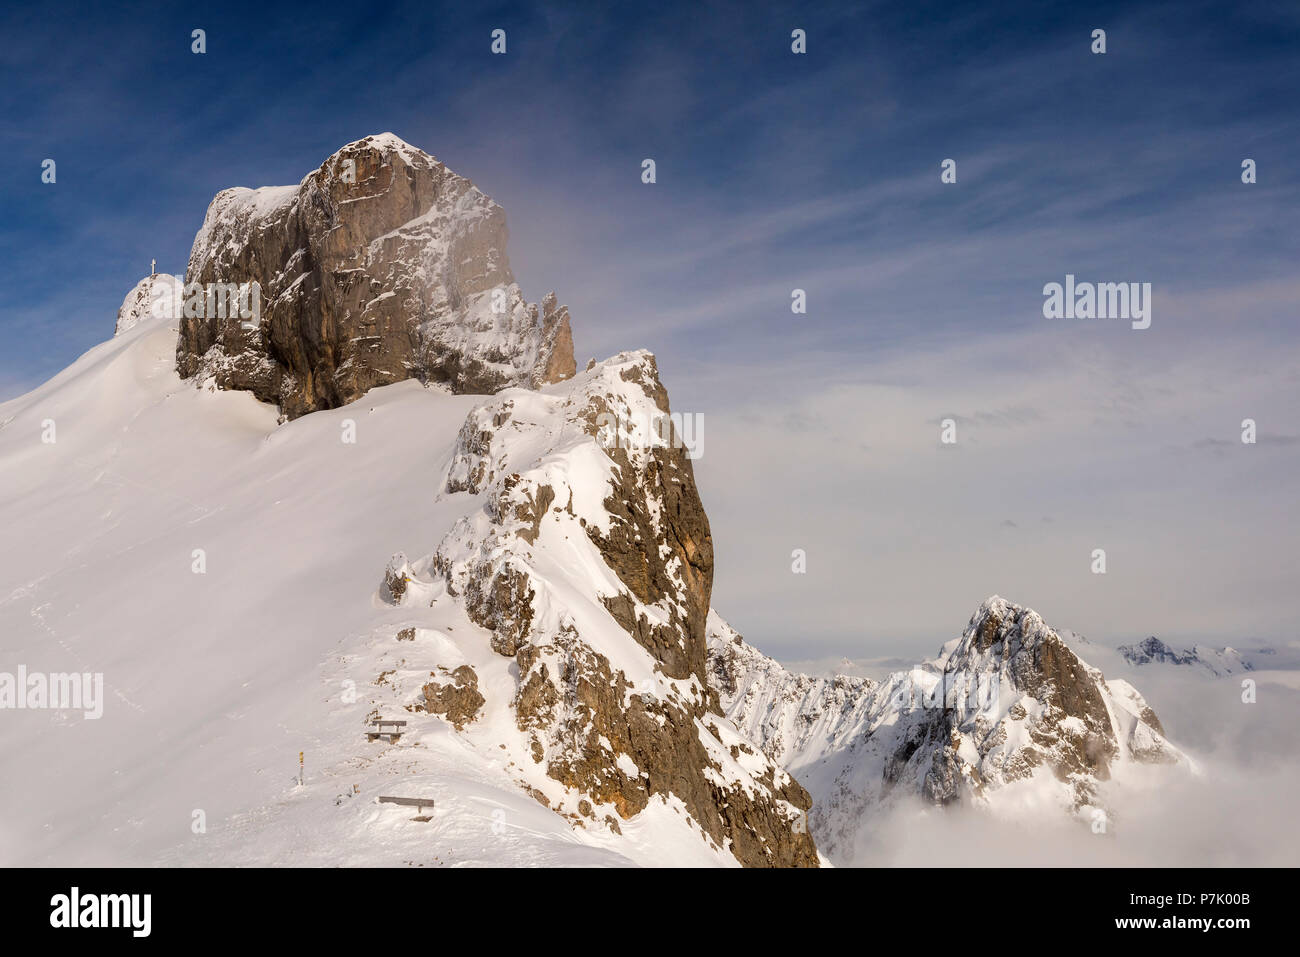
[[778, 171]]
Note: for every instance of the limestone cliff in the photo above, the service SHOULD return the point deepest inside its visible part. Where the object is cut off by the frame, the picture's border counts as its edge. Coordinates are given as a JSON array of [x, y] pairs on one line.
[[379, 266], [590, 563]]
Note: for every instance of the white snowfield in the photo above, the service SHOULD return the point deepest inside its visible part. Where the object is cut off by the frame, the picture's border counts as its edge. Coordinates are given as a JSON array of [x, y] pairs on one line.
[[223, 573]]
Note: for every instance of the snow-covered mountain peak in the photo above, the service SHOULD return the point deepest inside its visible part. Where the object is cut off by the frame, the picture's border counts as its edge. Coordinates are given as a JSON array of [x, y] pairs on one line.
[[1218, 662], [1007, 703], [553, 644], [389, 143], [1017, 644], [998, 621], [152, 296]]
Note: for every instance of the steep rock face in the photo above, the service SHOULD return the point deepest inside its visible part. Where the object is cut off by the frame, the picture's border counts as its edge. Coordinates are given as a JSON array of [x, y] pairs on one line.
[[1008, 701], [590, 563], [379, 266]]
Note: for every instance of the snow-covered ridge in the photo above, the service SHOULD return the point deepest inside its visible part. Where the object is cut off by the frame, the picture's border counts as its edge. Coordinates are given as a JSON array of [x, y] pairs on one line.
[[590, 567], [147, 296], [794, 718], [546, 652], [1216, 661], [552, 649], [1006, 703]]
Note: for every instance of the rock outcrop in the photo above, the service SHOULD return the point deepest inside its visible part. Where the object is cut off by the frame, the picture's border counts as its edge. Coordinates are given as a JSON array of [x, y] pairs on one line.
[[457, 699], [590, 564], [155, 295], [381, 265], [1006, 702]]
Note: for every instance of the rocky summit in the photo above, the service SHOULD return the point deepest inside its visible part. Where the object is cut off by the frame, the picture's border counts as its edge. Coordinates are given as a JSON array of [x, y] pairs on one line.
[[1006, 705], [155, 294], [588, 562], [379, 266]]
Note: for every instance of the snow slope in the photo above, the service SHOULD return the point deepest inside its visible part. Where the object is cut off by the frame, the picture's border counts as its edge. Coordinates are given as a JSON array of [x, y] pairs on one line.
[[215, 681]]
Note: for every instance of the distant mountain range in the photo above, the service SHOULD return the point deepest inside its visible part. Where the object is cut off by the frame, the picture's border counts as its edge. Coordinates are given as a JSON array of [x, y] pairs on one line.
[[1216, 661]]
